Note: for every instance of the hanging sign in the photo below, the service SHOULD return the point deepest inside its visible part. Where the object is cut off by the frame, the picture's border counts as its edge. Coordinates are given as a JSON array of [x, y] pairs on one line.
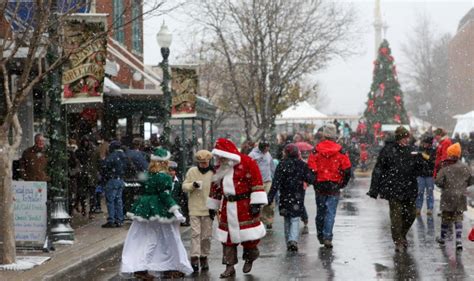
[[85, 39], [184, 85], [30, 211]]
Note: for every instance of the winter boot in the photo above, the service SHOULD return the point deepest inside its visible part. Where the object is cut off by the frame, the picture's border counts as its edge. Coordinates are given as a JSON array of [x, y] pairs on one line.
[[229, 272], [320, 239], [292, 246], [204, 263], [328, 244], [195, 263], [250, 255]]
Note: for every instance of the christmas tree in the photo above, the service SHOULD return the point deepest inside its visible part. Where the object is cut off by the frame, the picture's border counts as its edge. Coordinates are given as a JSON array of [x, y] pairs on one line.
[[385, 103]]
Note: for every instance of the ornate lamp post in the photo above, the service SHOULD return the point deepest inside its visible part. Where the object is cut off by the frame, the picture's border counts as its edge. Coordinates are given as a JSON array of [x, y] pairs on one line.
[[164, 38]]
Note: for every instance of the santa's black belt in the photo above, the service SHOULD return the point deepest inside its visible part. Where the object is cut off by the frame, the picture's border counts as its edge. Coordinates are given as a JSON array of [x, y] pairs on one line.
[[233, 198]]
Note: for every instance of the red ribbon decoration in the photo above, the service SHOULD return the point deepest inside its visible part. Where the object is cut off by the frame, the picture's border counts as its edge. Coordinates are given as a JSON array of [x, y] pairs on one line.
[[376, 127], [397, 118], [398, 99]]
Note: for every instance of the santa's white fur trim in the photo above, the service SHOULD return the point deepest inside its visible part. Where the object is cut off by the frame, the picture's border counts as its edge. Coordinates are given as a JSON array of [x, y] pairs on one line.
[[233, 222], [173, 208], [228, 183], [213, 204], [226, 154], [220, 235], [158, 158], [253, 233], [258, 197], [134, 217], [247, 234]]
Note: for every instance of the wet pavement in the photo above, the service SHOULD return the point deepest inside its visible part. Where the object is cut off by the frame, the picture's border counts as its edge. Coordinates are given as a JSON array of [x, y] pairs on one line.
[[363, 249]]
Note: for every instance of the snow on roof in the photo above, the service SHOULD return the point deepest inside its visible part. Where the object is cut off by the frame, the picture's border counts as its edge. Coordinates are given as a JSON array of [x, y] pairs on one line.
[[465, 123], [301, 112]]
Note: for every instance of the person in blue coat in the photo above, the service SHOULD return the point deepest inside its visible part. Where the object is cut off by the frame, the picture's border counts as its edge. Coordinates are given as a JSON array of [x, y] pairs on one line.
[[290, 176]]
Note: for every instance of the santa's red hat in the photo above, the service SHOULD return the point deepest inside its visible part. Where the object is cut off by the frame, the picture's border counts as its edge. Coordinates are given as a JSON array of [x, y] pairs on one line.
[[226, 148]]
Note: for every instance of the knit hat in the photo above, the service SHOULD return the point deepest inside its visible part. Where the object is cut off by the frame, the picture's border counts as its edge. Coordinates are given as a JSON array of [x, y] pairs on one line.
[[427, 139], [292, 151], [160, 154], [454, 151], [226, 148], [172, 165], [203, 155], [439, 132], [401, 133], [114, 145], [330, 131]]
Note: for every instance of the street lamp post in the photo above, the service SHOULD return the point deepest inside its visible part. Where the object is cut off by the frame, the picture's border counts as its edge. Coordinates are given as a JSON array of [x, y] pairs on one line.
[[164, 38]]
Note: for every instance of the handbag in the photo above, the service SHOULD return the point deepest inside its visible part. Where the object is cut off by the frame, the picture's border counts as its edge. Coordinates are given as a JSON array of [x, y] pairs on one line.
[[471, 235]]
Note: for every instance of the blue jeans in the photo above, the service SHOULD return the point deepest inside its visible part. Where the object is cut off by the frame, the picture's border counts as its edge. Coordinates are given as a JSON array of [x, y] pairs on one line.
[[425, 183], [113, 198], [292, 228], [326, 206]]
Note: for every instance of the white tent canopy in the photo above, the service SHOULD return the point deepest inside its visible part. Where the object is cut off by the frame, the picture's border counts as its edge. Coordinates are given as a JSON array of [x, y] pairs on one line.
[[302, 112], [465, 123]]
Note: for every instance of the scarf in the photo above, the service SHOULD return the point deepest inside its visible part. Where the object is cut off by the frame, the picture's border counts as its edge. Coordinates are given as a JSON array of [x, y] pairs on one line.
[[205, 170]]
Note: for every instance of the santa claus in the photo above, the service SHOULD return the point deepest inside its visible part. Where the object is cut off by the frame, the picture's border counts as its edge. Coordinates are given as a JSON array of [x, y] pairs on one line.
[[238, 192]]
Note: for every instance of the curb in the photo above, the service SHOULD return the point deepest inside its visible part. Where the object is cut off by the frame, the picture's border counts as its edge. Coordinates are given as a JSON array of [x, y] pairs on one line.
[[86, 265], [89, 264]]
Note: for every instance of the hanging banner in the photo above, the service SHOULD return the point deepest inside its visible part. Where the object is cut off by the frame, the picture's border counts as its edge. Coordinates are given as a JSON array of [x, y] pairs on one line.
[[184, 86], [85, 38]]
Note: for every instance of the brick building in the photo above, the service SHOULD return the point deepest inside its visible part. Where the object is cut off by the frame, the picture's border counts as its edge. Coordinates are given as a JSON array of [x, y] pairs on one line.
[[461, 66]]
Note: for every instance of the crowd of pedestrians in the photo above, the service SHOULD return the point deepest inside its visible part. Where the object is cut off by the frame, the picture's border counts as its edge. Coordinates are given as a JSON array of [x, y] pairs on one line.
[[239, 189]]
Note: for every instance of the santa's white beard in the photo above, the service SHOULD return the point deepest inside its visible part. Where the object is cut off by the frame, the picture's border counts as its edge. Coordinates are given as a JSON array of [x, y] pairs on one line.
[[224, 169]]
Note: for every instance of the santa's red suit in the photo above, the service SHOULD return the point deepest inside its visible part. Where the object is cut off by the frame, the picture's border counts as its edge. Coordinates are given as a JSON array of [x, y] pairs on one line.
[[239, 188]]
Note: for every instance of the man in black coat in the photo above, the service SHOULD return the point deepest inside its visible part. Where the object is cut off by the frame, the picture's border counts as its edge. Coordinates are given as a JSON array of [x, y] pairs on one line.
[[394, 178]]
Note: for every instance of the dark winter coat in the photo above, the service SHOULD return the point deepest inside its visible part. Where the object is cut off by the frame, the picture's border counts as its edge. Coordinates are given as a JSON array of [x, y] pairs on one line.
[[394, 175], [428, 159], [33, 164], [115, 165], [289, 179], [89, 164], [136, 164], [453, 179]]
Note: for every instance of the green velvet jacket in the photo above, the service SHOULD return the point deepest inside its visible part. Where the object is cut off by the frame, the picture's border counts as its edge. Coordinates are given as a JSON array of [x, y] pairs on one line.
[[156, 202]]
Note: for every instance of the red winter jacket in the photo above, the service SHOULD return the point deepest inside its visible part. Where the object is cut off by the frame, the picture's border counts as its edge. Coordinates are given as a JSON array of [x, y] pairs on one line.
[[441, 153], [329, 163]]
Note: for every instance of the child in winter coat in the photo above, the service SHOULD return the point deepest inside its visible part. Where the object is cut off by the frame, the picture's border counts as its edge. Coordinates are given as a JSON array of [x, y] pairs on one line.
[[290, 176], [453, 178], [364, 157]]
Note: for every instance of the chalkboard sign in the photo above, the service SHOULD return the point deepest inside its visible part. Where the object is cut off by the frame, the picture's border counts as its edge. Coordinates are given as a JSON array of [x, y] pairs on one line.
[[30, 211]]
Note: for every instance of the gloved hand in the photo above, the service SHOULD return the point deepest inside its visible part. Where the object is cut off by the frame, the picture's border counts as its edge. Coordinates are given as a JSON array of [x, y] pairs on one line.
[[255, 209], [212, 214], [372, 194], [179, 216], [195, 185]]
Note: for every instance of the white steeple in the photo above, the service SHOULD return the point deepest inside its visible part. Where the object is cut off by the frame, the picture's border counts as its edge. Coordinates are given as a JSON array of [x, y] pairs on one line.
[[378, 25]]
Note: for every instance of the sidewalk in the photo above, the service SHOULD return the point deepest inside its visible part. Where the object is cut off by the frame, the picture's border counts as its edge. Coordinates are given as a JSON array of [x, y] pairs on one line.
[[92, 245]]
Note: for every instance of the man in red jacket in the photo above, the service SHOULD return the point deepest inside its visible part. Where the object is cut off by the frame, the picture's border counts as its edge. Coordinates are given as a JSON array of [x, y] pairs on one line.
[[333, 171], [442, 150]]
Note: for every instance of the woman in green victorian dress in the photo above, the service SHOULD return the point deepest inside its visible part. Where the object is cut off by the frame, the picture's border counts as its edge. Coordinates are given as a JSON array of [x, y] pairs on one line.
[[153, 246]]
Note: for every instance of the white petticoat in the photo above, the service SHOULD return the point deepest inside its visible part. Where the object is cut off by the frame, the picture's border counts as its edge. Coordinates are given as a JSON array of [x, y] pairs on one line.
[[155, 247]]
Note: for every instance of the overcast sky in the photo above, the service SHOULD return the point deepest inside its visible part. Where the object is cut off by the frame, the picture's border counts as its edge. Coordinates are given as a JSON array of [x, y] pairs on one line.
[[345, 82]]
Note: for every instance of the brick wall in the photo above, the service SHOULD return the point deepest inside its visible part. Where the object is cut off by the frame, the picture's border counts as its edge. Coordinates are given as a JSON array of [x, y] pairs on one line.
[[124, 77], [461, 69]]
